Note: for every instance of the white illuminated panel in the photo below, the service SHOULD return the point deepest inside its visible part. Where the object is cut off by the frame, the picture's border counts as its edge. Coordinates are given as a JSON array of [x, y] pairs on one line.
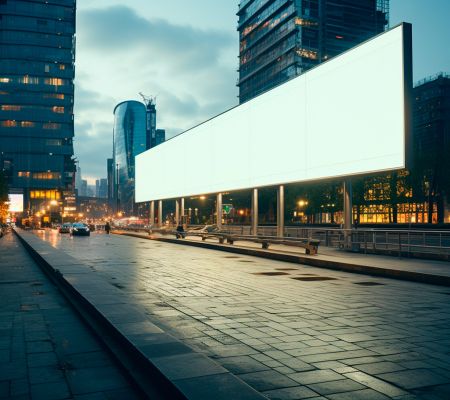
[[344, 117], [15, 203]]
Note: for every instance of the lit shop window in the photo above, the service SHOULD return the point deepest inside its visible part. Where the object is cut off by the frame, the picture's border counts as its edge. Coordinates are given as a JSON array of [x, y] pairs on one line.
[[45, 194], [27, 124], [9, 124], [51, 126], [10, 108], [59, 110], [23, 174]]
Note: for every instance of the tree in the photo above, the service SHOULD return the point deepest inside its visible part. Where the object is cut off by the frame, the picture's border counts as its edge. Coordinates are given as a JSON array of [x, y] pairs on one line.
[[3, 196]]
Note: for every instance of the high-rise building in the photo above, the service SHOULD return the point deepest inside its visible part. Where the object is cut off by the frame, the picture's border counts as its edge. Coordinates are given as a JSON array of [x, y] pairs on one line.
[[101, 188], [130, 139], [160, 137], [280, 39], [111, 183], [37, 41], [432, 142]]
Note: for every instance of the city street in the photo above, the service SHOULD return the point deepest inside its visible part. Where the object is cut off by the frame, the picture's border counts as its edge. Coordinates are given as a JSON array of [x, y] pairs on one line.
[[290, 331]]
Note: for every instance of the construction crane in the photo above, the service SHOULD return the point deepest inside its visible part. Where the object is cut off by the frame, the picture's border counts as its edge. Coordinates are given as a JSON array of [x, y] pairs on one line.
[[148, 100]]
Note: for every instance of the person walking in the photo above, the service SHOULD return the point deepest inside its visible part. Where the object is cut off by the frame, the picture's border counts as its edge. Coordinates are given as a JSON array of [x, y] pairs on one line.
[[107, 227]]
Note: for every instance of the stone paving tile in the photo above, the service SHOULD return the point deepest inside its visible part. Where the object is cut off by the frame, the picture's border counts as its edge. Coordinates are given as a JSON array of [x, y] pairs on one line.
[[340, 386], [267, 380], [39, 325], [415, 378], [365, 394], [292, 393], [317, 376], [216, 305]]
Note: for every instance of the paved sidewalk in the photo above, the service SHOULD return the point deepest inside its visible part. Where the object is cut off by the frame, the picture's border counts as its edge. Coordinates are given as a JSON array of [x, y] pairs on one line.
[[46, 352], [426, 271], [289, 331]]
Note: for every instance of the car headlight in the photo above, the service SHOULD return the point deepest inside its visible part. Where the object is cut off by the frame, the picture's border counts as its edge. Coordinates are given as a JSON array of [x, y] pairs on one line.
[[75, 229], [87, 229]]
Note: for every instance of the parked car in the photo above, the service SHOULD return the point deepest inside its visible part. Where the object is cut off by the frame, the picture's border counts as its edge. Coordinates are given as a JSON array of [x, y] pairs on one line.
[[79, 229], [65, 228]]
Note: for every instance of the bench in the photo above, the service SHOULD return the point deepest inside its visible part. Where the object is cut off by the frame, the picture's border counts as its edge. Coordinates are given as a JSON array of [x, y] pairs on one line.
[[310, 245]]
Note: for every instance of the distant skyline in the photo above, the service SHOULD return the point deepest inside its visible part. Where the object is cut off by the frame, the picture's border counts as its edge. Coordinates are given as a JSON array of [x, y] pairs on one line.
[[186, 54]]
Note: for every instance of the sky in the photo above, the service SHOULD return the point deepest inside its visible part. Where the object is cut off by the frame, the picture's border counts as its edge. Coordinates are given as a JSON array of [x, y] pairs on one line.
[[186, 54]]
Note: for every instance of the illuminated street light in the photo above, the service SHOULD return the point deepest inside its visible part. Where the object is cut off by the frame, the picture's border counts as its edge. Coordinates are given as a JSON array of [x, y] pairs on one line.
[[302, 203]]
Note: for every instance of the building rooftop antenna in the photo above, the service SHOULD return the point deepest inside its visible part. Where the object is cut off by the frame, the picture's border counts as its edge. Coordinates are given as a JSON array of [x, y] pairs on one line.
[[148, 100]]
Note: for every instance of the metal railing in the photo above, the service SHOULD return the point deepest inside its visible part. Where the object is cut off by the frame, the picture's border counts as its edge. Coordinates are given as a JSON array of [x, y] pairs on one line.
[[392, 241]]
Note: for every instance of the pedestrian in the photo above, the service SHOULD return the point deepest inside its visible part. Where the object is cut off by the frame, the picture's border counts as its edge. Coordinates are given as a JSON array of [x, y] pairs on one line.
[[180, 232], [107, 227]]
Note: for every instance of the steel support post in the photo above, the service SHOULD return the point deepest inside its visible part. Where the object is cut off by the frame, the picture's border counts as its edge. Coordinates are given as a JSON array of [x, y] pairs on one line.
[[254, 212], [183, 220], [177, 212], [219, 210], [348, 217], [151, 219], [160, 214], [280, 211]]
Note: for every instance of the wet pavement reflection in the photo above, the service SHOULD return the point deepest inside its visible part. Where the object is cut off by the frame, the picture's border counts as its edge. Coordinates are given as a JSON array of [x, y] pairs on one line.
[[290, 331]]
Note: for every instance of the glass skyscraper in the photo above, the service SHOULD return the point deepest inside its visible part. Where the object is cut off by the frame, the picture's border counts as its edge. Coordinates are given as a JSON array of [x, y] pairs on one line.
[[280, 39], [37, 52], [131, 138]]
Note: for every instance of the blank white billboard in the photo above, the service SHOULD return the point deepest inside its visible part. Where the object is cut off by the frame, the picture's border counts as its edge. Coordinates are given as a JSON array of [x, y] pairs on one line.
[[347, 116]]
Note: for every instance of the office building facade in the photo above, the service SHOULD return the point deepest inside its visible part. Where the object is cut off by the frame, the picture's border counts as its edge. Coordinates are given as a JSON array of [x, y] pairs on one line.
[[37, 55], [280, 39], [160, 137], [130, 138]]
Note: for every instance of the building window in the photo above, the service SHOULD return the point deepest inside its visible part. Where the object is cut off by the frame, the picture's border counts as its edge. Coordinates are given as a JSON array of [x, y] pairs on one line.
[[54, 81], [54, 96], [45, 194], [46, 175], [9, 124], [27, 124], [10, 108], [23, 174], [62, 67], [59, 110], [51, 126], [4, 80], [54, 142], [47, 68]]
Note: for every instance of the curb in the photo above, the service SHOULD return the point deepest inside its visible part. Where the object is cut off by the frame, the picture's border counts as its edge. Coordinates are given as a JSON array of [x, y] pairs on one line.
[[310, 260], [161, 366]]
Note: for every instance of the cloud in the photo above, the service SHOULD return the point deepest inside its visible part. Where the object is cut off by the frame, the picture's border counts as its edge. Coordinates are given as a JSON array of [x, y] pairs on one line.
[[120, 29]]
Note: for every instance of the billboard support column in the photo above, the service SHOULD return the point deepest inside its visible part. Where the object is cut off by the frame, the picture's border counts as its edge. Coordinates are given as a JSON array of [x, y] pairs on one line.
[[280, 211], [177, 212], [219, 210], [160, 213], [152, 214], [183, 220], [254, 212], [347, 213]]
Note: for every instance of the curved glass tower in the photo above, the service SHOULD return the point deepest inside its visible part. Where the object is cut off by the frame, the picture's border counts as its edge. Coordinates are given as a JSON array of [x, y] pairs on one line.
[[37, 52], [130, 139]]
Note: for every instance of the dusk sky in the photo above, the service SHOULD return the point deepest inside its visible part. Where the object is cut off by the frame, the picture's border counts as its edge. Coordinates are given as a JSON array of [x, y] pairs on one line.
[[186, 54]]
